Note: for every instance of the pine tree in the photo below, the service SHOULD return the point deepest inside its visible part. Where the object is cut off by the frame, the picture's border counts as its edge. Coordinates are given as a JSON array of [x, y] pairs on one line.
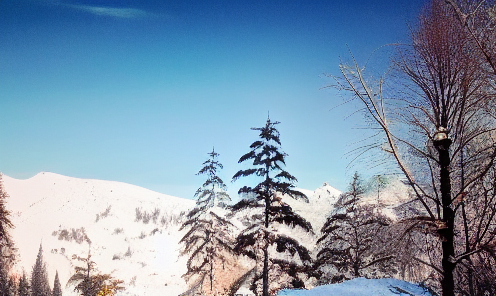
[[57, 289], [350, 245], [39, 277], [213, 191], [378, 182], [254, 241], [12, 286], [8, 284], [23, 289], [4, 281], [7, 249], [208, 244], [208, 239]]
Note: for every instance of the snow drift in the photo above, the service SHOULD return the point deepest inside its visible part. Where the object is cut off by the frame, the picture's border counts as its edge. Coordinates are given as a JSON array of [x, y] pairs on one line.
[[363, 287]]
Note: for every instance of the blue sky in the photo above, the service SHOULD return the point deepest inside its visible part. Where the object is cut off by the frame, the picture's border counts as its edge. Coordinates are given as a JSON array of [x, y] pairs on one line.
[[140, 91]]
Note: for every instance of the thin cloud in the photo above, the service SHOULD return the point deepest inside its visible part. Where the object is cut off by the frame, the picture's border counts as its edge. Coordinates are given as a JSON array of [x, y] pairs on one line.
[[112, 11]]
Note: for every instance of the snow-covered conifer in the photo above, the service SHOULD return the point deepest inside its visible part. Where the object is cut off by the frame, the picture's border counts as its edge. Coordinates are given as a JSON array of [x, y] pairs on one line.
[[57, 289], [23, 289], [39, 277], [350, 244], [208, 239], [8, 284], [213, 191], [290, 264]]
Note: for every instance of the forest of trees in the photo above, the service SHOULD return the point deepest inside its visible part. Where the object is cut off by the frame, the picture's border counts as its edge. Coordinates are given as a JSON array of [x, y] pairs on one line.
[[441, 137], [435, 111]]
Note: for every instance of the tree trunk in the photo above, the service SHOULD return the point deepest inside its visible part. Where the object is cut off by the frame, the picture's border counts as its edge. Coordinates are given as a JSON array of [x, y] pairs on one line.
[[211, 270], [447, 233], [265, 274], [356, 269]]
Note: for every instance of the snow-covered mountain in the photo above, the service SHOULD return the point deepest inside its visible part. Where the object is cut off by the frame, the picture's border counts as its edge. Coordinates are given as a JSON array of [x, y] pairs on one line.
[[130, 231], [60, 212]]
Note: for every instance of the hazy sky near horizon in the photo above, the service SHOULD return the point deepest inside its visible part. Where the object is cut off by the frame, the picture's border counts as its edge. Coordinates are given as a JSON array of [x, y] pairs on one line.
[[140, 91]]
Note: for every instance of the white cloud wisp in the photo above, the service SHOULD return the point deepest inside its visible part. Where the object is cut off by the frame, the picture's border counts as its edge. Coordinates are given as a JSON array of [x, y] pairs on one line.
[[112, 11]]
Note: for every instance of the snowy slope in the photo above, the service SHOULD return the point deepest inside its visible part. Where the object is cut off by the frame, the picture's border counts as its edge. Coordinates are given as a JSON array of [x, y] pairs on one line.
[[389, 198], [321, 203], [60, 212], [48, 206], [362, 287]]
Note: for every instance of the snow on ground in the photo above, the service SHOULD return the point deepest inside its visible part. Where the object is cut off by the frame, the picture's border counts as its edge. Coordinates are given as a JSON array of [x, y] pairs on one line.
[[52, 209], [56, 211], [363, 287], [59, 211]]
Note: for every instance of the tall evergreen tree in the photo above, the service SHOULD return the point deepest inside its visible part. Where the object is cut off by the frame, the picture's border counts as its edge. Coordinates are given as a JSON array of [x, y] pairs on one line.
[[7, 249], [350, 245], [39, 277], [57, 289], [208, 239], [23, 289], [254, 241]]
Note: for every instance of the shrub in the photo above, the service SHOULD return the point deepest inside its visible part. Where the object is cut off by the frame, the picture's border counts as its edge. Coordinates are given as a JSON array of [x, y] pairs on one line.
[[146, 217], [139, 215], [118, 230], [104, 214], [155, 215]]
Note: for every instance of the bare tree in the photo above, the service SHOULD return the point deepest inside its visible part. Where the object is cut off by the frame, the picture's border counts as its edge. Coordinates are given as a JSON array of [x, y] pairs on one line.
[[478, 18], [439, 134], [90, 282]]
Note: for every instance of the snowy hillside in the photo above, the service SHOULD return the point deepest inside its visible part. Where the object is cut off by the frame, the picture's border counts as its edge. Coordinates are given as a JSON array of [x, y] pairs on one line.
[[321, 202], [130, 231], [59, 211], [65, 214]]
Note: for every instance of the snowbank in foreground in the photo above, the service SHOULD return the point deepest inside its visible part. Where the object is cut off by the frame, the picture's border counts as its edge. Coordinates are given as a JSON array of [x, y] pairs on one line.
[[363, 287]]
